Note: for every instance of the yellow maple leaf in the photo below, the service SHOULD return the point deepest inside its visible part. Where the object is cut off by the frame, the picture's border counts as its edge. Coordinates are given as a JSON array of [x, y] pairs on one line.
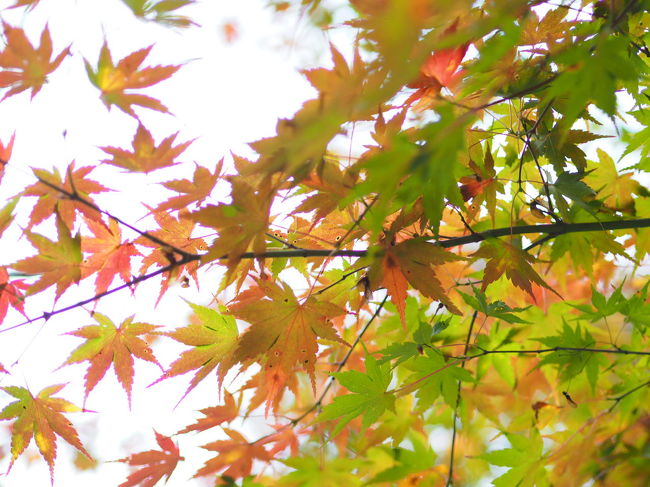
[[115, 80]]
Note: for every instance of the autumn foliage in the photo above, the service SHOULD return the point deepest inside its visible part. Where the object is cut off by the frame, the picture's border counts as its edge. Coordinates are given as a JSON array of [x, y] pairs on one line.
[[449, 240]]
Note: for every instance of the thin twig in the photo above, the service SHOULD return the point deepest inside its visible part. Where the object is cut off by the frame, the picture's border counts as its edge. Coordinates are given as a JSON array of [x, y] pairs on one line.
[[624, 395], [293, 422], [450, 480]]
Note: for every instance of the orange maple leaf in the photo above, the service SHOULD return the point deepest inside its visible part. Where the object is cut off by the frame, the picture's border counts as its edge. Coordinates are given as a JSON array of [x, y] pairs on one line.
[[58, 262], [503, 257], [109, 255], [114, 80], [51, 201], [411, 262], [178, 234], [242, 225], [11, 294], [30, 4], [146, 157], [107, 344], [214, 416], [440, 70], [155, 464], [40, 417], [214, 338], [5, 154], [23, 66], [192, 192], [235, 456], [283, 331]]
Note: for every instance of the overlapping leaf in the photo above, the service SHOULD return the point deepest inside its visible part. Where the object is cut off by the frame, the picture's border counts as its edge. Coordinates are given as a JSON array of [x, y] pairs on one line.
[[177, 233], [242, 225], [58, 263], [22, 66], [116, 82], [11, 294], [51, 200], [109, 257], [504, 258], [107, 344], [191, 192], [161, 11], [153, 464], [368, 399], [412, 262], [234, 456], [40, 418], [283, 331], [213, 337]]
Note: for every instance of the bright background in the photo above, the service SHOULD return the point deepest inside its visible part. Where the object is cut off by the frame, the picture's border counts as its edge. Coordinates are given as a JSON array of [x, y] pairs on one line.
[[225, 95]]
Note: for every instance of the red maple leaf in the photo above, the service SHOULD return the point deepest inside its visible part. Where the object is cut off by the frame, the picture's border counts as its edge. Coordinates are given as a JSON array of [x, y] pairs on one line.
[[11, 294]]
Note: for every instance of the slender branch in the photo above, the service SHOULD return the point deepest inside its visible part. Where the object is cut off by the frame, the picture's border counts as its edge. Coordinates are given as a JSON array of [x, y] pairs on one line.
[[554, 228], [619, 351], [293, 422], [618, 399], [74, 195], [330, 382], [48, 314], [450, 477]]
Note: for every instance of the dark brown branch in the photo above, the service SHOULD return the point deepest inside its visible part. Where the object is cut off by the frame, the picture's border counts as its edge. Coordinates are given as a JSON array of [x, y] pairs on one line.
[[553, 229]]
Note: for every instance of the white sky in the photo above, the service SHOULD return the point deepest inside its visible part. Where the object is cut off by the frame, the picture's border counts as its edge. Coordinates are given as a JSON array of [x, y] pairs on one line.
[[224, 96]]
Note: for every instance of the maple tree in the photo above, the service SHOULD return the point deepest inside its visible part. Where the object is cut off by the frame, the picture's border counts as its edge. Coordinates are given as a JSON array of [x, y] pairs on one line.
[[449, 240]]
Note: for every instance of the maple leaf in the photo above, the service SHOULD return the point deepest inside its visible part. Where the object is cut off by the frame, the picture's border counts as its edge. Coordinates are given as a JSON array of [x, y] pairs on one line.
[[109, 255], [213, 336], [155, 464], [11, 294], [30, 4], [58, 262], [613, 189], [411, 262], [192, 192], [241, 225], [23, 66], [331, 184], [51, 201], [5, 154], [40, 417], [503, 257], [146, 157], [481, 186], [115, 80], [161, 11], [440, 70], [235, 455], [6, 214], [107, 344], [215, 415], [283, 330], [178, 234]]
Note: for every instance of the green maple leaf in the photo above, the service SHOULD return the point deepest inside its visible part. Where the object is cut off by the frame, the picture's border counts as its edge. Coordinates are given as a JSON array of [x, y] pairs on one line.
[[524, 459], [369, 397]]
